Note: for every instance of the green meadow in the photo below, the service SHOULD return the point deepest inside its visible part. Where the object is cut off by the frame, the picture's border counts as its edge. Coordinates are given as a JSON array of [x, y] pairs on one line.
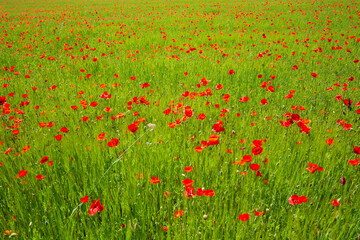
[[141, 119]]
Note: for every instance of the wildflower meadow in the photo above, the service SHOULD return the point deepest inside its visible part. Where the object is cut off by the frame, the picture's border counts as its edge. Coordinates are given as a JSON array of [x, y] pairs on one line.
[[179, 119]]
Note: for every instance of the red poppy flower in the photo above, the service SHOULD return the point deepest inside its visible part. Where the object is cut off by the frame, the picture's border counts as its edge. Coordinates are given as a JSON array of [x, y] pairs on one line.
[[178, 213], [246, 158], [95, 207], [2, 100], [50, 124], [354, 162], [329, 141], [313, 168], [187, 182], [356, 150], [58, 137], [257, 150], [263, 101], [289, 96], [188, 169], [22, 173], [44, 159], [244, 99], [199, 192], [209, 193], [101, 136], [295, 117], [244, 217], [93, 104], [199, 149], [155, 180], [84, 199], [113, 142], [145, 85], [201, 116], [257, 143], [39, 177], [231, 72], [259, 213], [314, 75], [335, 202], [254, 166], [219, 86], [218, 128], [64, 130], [189, 192], [133, 128], [294, 199]]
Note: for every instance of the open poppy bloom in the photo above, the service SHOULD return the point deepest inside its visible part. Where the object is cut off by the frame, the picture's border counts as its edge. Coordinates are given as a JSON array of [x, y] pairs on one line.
[[356, 150], [335, 202], [22, 173], [44, 159], [95, 207], [155, 180], [294, 199], [39, 177], [84, 199], [314, 167], [259, 213], [178, 213], [244, 217]]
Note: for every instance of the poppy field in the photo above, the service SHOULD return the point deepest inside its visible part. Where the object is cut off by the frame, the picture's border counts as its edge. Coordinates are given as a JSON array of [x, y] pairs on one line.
[[180, 119]]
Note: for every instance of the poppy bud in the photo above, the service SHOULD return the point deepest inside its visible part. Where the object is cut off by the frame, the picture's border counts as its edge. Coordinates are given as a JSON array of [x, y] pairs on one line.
[[342, 181]]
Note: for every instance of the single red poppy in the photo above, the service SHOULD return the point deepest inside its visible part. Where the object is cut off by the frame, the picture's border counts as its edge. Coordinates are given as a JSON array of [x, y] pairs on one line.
[[113, 142], [257, 150], [95, 207], [244, 217], [22, 173], [44, 159], [335, 202], [84, 199]]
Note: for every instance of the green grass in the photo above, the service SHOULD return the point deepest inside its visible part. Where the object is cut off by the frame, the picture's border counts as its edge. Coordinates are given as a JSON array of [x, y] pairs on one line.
[[157, 42]]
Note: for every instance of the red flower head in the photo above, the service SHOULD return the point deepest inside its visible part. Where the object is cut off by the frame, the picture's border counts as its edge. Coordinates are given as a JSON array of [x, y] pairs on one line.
[[95, 207], [294, 199], [178, 213], [257, 150], [187, 182], [188, 169], [2, 100], [84, 199], [58, 137], [314, 75], [335, 202], [64, 130], [244, 217], [22, 173], [133, 128], [44, 159], [255, 166], [209, 193], [357, 150], [155, 180], [113, 142]]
